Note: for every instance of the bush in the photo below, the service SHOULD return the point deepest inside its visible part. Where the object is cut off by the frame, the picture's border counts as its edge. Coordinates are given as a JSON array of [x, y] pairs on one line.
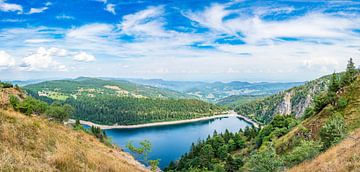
[[333, 131], [306, 150], [5, 85], [342, 103], [264, 161], [14, 101], [59, 113]]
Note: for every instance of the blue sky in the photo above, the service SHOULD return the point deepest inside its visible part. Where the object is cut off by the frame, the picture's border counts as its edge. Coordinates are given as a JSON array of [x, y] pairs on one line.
[[211, 40]]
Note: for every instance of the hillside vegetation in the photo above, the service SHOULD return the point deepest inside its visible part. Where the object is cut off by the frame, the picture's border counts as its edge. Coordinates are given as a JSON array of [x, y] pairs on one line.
[[293, 101], [35, 143], [286, 142], [121, 102], [217, 91]]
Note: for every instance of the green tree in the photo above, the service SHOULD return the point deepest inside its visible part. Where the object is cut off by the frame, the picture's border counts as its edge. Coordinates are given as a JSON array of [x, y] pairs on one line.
[[143, 150], [154, 164], [206, 155], [350, 73], [333, 88], [265, 161], [232, 145], [223, 151]]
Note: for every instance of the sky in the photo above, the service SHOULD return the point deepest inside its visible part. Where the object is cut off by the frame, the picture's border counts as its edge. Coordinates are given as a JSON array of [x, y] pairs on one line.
[[205, 40]]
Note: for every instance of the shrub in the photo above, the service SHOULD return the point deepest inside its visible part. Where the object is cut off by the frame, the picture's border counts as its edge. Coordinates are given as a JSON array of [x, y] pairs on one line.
[[14, 101], [264, 161], [342, 103], [333, 131], [306, 150]]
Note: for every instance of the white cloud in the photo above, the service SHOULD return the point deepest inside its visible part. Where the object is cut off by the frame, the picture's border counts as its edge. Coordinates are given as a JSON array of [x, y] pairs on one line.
[[110, 8], [37, 10], [145, 22], [38, 41], [8, 7], [84, 57], [257, 30], [43, 60], [90, 31], [6, 61], [64, 17]]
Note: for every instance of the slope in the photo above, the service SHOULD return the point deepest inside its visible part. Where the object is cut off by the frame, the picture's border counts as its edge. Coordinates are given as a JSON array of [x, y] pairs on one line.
[[33, 143], [343, 157], [292, 101], [92, 87]]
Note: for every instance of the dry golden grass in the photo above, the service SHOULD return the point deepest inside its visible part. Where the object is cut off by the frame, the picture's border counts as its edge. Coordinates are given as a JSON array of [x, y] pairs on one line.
[[36, 144], [345, 156]]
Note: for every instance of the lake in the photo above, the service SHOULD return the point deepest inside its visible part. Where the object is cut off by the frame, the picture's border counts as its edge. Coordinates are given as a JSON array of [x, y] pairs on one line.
[[171, 141]]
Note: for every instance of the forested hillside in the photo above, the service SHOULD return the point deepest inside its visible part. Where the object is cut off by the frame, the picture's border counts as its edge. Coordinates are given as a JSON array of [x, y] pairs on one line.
[[286, 141], [293, 101], [92, 87], [121, 102], [34, 141], [217, 91], [127, 110]]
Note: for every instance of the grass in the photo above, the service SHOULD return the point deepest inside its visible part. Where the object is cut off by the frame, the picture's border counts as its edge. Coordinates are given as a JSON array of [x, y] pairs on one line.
[[345, 156], [36, 144]]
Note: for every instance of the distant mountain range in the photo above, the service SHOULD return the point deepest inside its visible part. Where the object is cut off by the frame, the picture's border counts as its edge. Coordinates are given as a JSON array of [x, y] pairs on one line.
[[216, 91]]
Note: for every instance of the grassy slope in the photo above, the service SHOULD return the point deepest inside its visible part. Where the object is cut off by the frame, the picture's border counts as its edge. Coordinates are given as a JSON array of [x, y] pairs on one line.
[[342, 155], [37, 144]]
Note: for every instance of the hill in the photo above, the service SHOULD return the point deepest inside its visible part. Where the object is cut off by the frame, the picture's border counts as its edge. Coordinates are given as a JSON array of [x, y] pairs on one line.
[[121, 102], [33, 143], [216, 91], [342, 157], [324, 139], [92, 87], [293, 101]]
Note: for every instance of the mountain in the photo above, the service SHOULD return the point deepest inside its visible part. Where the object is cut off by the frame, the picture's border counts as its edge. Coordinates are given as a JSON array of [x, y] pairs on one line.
[[291, 101], [324, 139], [236, 100], [35, 143], [91, 87], [121, 102], [216, 91]]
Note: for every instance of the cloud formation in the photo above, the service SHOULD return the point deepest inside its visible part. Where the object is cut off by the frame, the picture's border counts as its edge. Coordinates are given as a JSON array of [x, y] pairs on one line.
[[84, 57], [6, 61], [9, 7]]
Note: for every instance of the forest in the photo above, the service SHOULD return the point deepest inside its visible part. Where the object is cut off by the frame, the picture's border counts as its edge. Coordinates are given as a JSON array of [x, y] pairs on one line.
[[112, 110]]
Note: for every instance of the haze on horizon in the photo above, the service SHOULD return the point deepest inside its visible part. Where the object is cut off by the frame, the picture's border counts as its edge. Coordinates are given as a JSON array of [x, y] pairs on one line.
[[216, 40]]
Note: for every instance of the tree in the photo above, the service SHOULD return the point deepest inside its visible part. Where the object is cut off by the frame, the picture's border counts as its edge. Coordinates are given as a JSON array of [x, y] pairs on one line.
[[143, 150], [232, 145], [59, 113], [264, 161], [223, 152], [206, 154], [154, 164], [333, 88], [350, 73]]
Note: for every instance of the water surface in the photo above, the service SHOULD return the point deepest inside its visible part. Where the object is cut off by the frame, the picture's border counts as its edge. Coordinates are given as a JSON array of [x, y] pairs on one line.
[[171, 141]]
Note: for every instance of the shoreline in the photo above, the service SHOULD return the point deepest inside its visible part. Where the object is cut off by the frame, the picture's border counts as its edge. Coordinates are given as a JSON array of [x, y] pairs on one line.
[[154, 124]]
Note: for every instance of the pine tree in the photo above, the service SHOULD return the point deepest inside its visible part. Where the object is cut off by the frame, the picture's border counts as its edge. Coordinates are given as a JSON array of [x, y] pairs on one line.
[[350, 73]]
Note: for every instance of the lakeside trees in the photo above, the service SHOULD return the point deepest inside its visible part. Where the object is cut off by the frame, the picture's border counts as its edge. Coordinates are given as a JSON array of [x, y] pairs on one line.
[[111, 110]]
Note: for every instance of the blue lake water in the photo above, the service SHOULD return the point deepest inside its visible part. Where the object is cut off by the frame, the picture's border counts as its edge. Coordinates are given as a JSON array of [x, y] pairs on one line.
[[171, 141]]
